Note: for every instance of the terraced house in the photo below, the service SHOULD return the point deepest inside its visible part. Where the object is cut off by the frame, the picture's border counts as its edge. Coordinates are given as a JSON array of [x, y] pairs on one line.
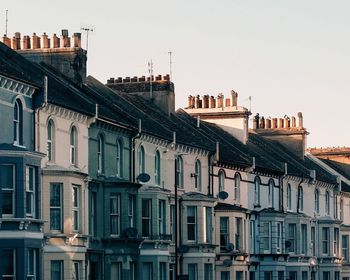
[[108, 181]]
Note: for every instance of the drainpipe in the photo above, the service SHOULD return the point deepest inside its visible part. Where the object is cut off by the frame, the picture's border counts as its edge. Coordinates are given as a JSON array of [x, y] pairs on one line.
[[137, 136]]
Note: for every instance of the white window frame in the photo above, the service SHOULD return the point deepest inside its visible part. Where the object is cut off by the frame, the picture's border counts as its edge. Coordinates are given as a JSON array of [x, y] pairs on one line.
[[221, 180], [327, 203], [30, 190], [300, 199], [317, 201], [325, 241], [76, 199], [61, 268], [157, 168], [148, 218], [51, 140], [141, 159], [279, 232], [289, 197], [198, 175], [194, 224], [60, 207], [237, 187], [266, 237], [18, 123], [292, 238], [131, 210], [161, 217], [252, 236], [224, 232], [257, 185], [12, 190], [239, 234], [119, 158], [345, 247], [31, 276], [100, 154], [179, 176], [207, 224], [76, 270], [303, 239], [336, 242], [73, 147], [115, 214]]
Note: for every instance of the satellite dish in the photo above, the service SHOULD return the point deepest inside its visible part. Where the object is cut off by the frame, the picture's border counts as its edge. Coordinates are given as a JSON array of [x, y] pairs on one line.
[[227, 262], [230, 247], [183, 249], [130, 232], [143, 177], [223, 195]]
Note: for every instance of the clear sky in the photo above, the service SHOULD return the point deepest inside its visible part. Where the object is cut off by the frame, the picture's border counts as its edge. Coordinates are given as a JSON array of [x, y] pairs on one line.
[[288, 55]]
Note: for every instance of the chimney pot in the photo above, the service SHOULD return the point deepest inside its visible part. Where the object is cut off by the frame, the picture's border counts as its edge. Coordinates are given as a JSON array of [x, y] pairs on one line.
[[159, 78], [205, 101], [6, 40], [212, 102], [134, 79], [45, 41], [293, 122], [274, 123], [220, 102], [234, 97], [280, 123], [189, 102], [227, 102], [119, 80], [110, 81], [142, 79], [197, 101], [77, 40], [166, 77], [300, 120], [268, 123], [16, 41], [55, 41], [26, 42], [262, 122], [35, 41]]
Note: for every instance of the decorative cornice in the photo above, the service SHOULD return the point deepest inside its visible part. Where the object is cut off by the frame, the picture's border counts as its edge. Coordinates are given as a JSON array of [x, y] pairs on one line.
[[16, 86], [64, 113]]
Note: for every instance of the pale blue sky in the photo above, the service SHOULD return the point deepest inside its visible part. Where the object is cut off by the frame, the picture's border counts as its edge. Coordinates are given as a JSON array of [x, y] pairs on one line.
[[289, 55]]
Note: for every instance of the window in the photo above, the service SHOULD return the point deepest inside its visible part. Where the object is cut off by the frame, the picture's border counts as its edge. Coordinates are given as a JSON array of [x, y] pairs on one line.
[[192, 271], [114, 214], [280, 275], [239, 275], [191, 223], [7, 187], [304, 239], [237, 187], [266, 236], [304, 275], [335, 205], [257, 191], [221, 180], [146, 217], [293, 275], [57, 270], [161, 218], [31, 271], [279, 237], [225, 275], [224, 233], [268, 275], [292, 238], [133, 271], [76, 270], [132, 209], [300, 199], [179, 178], [238, 234], [317, 201], [56, 206], [289, 197], [73, 145], [313, 241], [326, 275], [162, 271], [100, 154], [18, 123], [119, 159], [207, 225], [345, 247], [172, 222], [93, 216], [75, 207], [198, 175], [147, 271], [116, 271], [141, 160], [252, 236], [30, 191], [336, 242], [271, 193], [8, 264], [325, 241], [171, 272], [208, 271], [336, 275], [327, 202], [157, 168], [50, 140]]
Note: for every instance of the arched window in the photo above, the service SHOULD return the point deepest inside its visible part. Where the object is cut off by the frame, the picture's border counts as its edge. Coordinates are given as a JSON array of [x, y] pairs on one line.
[[73, 145], [50, 140], [198, 175], [157, 168], [257, 191], [289, 197], [18, 123], [327, 203], [100, 154], [221, 180], [119, 158], [141, 160], [335, 205], [179, 176], [271, 193], [300, 198], [237, 187], [317, 201]]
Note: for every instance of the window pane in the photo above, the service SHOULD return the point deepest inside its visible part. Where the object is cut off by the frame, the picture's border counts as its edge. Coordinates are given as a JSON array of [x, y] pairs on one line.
[[7, 202], [55, 195], [6, 176], [7, 262], [56, 270]]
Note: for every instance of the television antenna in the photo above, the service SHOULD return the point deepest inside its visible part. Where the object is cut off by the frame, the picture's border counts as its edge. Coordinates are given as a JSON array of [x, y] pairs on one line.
[[7, 11], [170, 65], [87, 30], [150, 71]]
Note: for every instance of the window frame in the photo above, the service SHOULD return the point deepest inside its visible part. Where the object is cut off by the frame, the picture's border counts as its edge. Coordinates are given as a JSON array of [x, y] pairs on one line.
[[14, 264], [198, 175], [146, 219], [289, 197], [237, 187], [11, 190], [161, 217], [317, 201], [18, 123], [61, 268], [327, 203], [31, 191], [221, 180], [141, 160], [224, 233], [115, 214], [50, 140], [271, 193], [257, 185], [192, 225], [179, 172], [60, 207], [157, 168], [34, 256], [100, 154], [300, 200], [73, 146], [325, 239], [119, 158], [76, 206]]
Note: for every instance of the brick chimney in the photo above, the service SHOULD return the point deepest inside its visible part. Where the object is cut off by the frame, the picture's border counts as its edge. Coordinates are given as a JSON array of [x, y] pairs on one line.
[[284, 131], [64, 54], [227, 115], [162, 93]]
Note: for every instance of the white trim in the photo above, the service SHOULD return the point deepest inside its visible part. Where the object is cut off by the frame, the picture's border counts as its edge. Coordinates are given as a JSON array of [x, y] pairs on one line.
[[64, 249], [154, 252], [199, 255], [9, 234]]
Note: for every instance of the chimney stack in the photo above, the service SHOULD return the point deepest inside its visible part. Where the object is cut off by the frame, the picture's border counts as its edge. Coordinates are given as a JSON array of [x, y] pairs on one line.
[[26, 42], [45, 41], [16, 41], [6, 40], [55, 41], [300, 120], [65, 39], [212, 102], [35, 41], [234, 97], [205, 101]]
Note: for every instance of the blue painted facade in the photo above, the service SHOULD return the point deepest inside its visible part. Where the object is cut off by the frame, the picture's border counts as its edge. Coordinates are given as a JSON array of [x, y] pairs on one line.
[[21, 237]]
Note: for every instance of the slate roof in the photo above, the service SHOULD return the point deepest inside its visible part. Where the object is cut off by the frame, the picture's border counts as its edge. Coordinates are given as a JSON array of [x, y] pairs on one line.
[[341, 168], [229, 207]]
